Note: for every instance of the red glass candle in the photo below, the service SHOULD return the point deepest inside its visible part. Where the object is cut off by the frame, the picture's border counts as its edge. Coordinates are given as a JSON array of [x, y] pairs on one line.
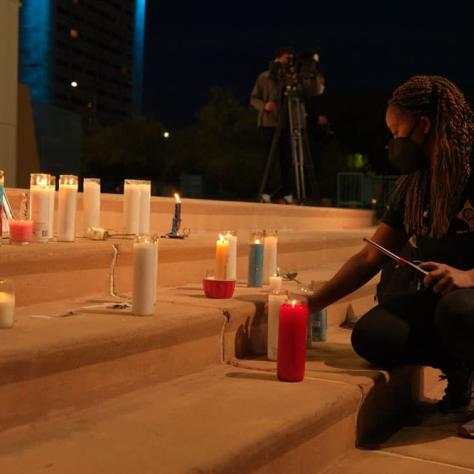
[[21, 231], [292, 341]]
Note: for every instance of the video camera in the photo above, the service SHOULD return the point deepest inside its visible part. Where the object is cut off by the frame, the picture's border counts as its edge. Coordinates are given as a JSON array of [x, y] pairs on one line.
[[301, 74]]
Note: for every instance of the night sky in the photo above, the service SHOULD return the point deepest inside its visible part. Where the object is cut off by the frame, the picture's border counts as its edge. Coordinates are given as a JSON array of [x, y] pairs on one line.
[[193, 47]]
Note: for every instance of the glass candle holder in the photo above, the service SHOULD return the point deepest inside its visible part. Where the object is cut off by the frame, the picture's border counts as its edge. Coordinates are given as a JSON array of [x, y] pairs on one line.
[[68, 185], [91, 203], [231, 237], [136, 206], [145, 269], [270, 254], [292, 341], [256, 252], [52, 199], [7, 304], [275, 299], [2, 183], [222, 258], [40, 206]]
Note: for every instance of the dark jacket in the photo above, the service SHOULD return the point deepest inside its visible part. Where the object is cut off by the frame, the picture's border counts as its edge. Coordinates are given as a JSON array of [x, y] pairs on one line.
[[265, 90]]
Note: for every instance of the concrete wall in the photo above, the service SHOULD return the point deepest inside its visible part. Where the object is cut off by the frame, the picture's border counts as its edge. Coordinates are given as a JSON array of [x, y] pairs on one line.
[[8, 87]]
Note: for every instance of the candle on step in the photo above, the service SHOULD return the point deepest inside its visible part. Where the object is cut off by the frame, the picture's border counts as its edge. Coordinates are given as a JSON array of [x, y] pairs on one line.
[[137, 195], [270, 255], [52, 198], [2, 174], [255, 270], [67, 208], [145, 201], [222, 258], [21, 231], [275, 282], [275, 300], [231, 237], [91, 201], [7, 304], [176, 223], [292, 341], [145, 269], [39, 206]]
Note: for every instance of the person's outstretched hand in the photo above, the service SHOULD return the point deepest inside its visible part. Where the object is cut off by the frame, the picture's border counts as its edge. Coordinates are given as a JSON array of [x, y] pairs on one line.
[[443, 278]]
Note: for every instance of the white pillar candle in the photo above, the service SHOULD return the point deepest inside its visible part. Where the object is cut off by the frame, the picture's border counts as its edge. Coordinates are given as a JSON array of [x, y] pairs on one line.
[[39, 206], [67, 208], [269, 255], [91, 200], [275, 300], [275, 283], [52, 198], [131, 206], [7, 304], [145, 198], [231, 237], [145, 266]]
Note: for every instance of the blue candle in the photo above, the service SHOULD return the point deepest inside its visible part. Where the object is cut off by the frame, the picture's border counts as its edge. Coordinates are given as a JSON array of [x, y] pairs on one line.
[[255, 275]]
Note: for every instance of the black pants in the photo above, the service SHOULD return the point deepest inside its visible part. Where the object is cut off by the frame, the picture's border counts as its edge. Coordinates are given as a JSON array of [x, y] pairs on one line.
[[419, 328], [283, 155]]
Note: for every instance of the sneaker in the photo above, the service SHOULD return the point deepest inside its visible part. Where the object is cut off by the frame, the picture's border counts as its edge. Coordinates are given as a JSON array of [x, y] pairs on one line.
[[266, 198], [466, 429], [289, 199], [458, 392]]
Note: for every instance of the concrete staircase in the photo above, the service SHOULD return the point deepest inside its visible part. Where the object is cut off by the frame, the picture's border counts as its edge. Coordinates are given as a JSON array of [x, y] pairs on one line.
[[92, 389]]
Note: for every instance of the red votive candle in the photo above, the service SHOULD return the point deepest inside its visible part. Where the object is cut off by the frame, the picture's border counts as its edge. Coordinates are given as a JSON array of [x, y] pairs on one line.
[[21, 231], [292, 341]]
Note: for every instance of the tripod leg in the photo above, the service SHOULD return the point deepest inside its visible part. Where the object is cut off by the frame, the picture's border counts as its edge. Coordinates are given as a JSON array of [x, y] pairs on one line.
[[270, 159], [313, 183], [294, 137]]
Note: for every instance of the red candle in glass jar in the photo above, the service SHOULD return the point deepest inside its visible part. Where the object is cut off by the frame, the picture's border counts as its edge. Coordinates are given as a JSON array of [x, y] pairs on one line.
[[292, 341], [21, 231]]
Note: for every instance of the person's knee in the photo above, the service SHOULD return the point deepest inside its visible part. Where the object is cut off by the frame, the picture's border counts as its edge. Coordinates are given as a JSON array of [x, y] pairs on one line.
[[455, 312], [373, 340]]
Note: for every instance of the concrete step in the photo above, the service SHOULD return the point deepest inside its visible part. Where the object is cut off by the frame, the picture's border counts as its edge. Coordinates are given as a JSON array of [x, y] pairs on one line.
[[57, 271], [49, 362], [202, 215], [221, 420], [363, 462]]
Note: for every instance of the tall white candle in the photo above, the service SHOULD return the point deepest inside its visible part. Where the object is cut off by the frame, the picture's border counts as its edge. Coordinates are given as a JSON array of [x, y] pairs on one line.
[[131, 206], [67, 208], [275, 300], [145, 266], [40, 206], [231, 237], [91, 199], [269, 255], [52, 198], [145, 198], [7, 310]]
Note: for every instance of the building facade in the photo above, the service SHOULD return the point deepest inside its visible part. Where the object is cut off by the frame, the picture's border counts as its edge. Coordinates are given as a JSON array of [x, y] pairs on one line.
[[8, 88], [84, 56]]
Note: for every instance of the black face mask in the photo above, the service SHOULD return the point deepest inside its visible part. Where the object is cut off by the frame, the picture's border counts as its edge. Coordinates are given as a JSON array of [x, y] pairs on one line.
[[406, 155]]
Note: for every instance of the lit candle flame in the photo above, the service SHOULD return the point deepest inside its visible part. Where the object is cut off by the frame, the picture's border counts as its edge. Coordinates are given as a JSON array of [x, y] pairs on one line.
[[41, 181], [221, 238], [294, 303], [257, 241], [176, 196]]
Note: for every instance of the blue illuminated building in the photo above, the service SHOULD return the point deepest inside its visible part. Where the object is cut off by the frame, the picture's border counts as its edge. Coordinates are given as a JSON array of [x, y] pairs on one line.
[[85, 56]]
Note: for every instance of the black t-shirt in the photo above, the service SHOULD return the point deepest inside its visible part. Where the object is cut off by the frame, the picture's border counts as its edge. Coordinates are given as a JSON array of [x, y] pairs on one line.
[[456, 247]]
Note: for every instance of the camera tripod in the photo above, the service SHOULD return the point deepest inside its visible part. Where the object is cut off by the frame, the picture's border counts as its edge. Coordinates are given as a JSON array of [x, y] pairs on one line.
[[293, 113]]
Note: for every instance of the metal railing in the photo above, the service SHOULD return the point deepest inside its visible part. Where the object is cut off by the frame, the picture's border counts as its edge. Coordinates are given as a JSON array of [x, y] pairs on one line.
[[361, 190]]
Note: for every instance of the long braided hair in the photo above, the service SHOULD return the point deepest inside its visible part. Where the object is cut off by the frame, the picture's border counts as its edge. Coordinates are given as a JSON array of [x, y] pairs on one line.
[[453, 128]]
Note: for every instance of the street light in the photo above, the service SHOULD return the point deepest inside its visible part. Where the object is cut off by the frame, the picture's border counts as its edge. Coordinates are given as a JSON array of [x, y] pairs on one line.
[[166, 134], [74, 84]]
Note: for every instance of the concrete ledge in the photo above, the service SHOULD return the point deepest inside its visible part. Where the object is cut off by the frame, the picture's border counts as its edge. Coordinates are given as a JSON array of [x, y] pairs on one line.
[[203, 215], [57, 271]]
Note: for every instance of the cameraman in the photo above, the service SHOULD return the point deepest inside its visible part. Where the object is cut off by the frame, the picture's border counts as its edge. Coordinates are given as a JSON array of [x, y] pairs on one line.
[[267, 98]]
